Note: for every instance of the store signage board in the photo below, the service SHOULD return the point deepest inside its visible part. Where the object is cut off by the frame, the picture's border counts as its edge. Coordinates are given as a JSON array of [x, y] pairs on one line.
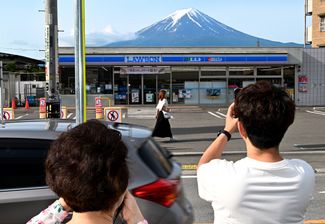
[[180, 59], [143, 70]]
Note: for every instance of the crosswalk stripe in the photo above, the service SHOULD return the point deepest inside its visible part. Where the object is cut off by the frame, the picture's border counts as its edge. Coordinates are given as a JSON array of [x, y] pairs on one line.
[[21, 116], [213, 114], [221, 114], [316, 112]]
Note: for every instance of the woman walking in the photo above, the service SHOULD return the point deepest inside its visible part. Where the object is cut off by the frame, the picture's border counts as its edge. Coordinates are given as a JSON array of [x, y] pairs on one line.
[[162, 127]]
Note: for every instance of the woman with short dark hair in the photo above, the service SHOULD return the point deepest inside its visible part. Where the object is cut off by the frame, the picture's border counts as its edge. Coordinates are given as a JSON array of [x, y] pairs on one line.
[[87, 167]]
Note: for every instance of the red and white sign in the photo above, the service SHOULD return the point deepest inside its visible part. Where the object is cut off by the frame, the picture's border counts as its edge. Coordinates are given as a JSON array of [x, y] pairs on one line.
[[113, 114], [8, 114], [42, 105], [98, 102]]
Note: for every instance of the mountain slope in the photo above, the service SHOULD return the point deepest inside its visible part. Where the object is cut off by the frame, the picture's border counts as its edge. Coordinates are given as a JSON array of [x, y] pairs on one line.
[[190, 27]]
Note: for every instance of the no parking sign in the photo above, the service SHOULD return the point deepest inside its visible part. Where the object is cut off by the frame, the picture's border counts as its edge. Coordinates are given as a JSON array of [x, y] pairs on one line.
[[8, 114], [113, 114]]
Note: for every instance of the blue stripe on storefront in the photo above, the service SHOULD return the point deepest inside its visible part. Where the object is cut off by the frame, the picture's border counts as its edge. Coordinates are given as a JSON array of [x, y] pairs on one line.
[[213, 59]]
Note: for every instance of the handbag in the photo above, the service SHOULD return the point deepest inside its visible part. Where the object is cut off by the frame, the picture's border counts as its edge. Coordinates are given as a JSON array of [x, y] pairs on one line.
[[167, 115]]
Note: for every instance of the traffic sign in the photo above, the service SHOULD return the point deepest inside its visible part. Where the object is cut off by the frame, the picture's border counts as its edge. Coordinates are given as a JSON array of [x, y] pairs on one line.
[[6, 115], [113, 114]]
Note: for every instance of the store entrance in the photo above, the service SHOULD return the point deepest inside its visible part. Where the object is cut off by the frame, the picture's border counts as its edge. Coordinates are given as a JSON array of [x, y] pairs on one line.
[[149, 88], [143, 88], [135, 89]]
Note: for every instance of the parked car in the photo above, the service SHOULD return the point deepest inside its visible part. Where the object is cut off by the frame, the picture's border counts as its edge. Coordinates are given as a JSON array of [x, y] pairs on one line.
[[155, 178]]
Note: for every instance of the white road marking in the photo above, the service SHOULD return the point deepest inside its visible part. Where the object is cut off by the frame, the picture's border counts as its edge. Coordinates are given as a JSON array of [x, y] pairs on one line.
[[213, 114], [21, 116], [69, 115], [316, 112], [322, 192], [189, 177], [221, 114]]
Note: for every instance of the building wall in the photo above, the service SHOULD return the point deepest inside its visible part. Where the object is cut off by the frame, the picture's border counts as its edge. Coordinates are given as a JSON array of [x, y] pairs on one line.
[[310, 80], [318, 38]]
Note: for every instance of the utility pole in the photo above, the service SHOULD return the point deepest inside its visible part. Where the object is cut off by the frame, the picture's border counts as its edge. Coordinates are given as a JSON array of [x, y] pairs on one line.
[[1, 88], [51, 59], [80, 61]]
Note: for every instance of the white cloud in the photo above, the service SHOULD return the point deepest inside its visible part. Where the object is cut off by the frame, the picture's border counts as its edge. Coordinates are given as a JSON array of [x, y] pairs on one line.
[[97, 38], [108, 30]]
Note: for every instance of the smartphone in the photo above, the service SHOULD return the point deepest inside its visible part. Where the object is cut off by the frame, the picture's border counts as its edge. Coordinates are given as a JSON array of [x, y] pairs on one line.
[[118, 218], [236, 91]]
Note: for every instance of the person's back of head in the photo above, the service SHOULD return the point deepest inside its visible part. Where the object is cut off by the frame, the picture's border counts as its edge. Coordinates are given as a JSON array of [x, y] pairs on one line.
[[266, 112], [162, 94], [87, 167]]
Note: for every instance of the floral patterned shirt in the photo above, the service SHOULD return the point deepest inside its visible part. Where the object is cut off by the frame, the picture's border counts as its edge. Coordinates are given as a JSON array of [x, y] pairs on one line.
[[54, 214]]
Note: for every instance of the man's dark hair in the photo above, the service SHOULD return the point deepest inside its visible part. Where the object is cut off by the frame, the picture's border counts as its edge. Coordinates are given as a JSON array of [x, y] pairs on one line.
[[87, 167], [266, 112]]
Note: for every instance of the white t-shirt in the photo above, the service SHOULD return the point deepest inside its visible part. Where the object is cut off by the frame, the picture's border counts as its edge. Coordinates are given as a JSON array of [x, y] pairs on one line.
[[162, 103], [253, 192]]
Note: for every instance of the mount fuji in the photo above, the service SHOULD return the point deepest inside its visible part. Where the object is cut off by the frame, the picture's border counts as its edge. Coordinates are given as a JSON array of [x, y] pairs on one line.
[[192, 28]]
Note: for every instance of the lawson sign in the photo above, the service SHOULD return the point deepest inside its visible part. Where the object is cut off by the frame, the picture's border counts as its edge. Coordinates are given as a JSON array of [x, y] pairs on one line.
[[143, 59]]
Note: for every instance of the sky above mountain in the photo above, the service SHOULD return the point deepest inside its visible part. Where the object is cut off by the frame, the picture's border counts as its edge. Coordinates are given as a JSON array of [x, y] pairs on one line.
[[22, 25]]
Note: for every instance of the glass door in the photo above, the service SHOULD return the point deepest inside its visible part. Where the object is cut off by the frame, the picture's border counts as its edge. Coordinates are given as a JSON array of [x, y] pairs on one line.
[[135, 89], [120, 89], [149, 88], [163, 82]]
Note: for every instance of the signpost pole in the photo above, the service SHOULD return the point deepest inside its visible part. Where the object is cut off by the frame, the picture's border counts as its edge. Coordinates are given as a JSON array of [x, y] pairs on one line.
[[51, 58], [80, 62], [1, 99]]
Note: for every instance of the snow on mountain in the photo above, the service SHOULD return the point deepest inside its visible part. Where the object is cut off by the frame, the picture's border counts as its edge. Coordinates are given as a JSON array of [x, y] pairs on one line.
[[190, 27]]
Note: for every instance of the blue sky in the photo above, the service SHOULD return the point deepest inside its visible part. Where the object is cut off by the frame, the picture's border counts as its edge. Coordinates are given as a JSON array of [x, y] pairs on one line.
[[22, 25]]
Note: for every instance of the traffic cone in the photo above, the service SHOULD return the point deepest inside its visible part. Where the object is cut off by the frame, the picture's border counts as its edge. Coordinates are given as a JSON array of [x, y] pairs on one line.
[[26, 104], [13, 104]]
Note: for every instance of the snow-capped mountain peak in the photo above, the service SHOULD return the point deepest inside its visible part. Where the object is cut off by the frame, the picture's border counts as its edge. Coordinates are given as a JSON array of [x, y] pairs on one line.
[[177, 15], [190, 27], [183, 19]]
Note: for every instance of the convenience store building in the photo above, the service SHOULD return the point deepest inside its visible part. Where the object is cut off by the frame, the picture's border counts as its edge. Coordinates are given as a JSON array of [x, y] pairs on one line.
[[191, 76]]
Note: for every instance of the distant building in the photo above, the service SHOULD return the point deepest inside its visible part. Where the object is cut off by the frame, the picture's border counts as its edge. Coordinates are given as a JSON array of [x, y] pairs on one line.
[[315, 33], [22, 77]]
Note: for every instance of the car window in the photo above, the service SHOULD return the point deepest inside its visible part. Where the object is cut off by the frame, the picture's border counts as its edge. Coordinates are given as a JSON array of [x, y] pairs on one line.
[[22, 162], [156, 158]]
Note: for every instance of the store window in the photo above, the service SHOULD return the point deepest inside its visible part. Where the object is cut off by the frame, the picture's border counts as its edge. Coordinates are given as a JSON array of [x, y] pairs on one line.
[[99, 80], [213, 91], [234, 83], [322, 23], [275, 81], [120, 89], [67, 80], [269, 71], [164, 83], [289, 80], [185, 87], [241, 71]]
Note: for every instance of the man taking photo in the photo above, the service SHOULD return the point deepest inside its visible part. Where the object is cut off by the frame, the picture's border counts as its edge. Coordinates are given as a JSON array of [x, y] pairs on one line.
[[262, 188]]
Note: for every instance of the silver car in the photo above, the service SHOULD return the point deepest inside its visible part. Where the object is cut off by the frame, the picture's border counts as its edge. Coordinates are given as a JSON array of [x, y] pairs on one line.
[[155, 177]]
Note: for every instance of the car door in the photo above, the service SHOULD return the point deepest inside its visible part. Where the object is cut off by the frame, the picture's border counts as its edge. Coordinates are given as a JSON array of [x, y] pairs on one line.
[[23, 192]]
